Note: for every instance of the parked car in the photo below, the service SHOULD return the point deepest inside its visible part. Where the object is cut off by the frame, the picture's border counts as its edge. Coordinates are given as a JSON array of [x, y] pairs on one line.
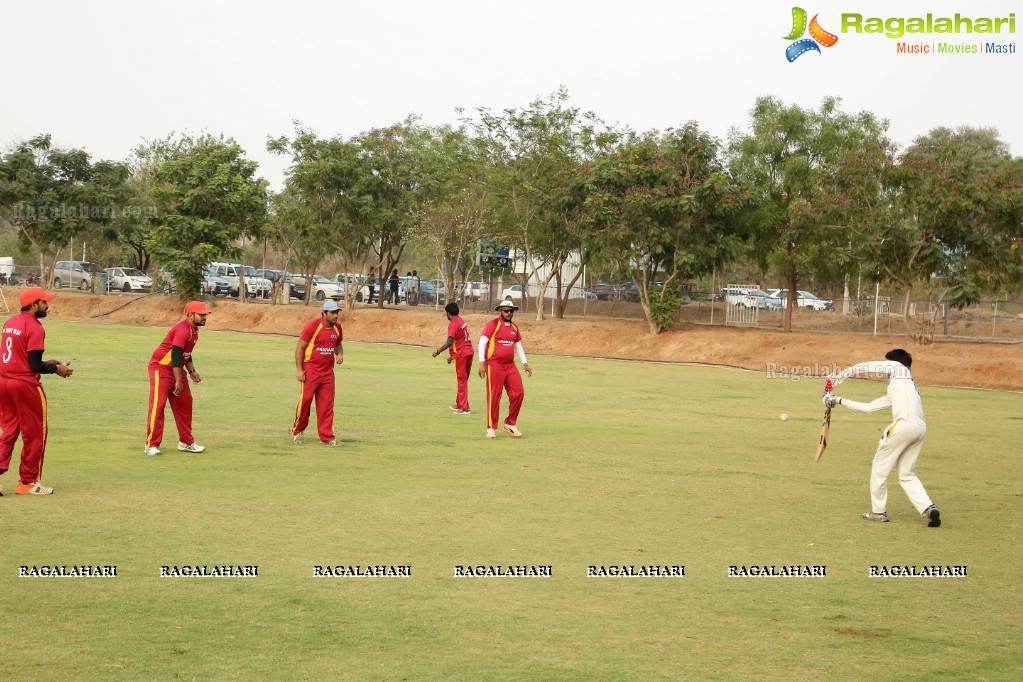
[[750, 297], [359, 281], [128, 279], [629, 292], [475, 291], [601, 291], [233, 272], [73, 274], [294, 290], [512, 293], [804, 299], [322, 288], [429, 292], [214, 285]]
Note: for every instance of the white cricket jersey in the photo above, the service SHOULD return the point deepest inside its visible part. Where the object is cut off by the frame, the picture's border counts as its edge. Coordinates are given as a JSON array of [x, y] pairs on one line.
[[902, 395]]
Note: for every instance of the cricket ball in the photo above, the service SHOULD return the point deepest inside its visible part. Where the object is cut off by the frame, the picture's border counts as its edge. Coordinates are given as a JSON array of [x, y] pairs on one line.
[[784, 417]]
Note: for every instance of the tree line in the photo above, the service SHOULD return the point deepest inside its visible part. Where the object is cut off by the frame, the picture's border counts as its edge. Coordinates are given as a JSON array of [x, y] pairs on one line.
[[814, 194]]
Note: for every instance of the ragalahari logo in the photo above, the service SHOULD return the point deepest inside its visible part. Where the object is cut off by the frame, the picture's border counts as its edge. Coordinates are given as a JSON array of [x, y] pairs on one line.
[[817, 35]]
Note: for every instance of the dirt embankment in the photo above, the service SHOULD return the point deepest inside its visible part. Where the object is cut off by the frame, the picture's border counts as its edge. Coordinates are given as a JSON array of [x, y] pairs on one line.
[[996, 366]]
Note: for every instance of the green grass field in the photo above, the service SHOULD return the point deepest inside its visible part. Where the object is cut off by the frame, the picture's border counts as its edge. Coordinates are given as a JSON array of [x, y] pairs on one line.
[[622, 463]]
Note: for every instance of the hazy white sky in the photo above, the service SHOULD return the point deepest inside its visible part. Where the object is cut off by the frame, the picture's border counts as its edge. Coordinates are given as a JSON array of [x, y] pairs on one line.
[[106, 75]]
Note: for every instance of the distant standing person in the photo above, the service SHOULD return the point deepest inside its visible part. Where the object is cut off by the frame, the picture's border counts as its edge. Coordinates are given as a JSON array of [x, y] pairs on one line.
[[319, 349], [903, 439], [413, 294], [170, 363], [393, 283], [459, 347], [371, 283], [22, 399], [499, 345]]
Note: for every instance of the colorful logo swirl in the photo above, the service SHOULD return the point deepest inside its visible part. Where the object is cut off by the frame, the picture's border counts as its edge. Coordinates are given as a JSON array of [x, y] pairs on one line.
[[818, 36]]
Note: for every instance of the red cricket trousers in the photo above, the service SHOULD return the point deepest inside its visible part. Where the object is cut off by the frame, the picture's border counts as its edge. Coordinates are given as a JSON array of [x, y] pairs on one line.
[[23, 411], [463, 364], [320, 387], [503, 376], [161, 391]]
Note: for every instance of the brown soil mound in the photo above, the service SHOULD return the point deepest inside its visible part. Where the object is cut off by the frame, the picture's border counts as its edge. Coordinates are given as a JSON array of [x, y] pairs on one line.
[[996, 366]]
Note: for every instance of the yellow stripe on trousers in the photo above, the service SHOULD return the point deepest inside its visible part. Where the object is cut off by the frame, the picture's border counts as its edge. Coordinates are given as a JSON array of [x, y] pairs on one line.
[[155, 399]]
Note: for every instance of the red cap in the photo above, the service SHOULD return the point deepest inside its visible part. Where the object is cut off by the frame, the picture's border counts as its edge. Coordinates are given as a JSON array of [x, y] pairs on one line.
[[33, 294], [197, 307]]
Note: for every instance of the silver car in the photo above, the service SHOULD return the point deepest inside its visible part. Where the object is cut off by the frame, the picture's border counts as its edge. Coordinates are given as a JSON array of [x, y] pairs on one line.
[[128, 279], [73, 274]]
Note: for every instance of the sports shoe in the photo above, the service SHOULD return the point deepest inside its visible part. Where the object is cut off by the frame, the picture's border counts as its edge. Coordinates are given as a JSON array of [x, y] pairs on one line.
[[872, 516], [335, 443], [151, 450], [36, 488], [491, 433], [454, 408], [460, 411], [1, 491], [299, 438], [190, 447], [508, 428], [933, 516]]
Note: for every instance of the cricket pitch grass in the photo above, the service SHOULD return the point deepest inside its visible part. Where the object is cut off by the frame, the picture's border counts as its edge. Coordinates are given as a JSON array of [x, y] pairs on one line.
[[622, 464]]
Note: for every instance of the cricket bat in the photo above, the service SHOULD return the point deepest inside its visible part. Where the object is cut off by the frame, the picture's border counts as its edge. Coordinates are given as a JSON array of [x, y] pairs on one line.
[[822, 444]]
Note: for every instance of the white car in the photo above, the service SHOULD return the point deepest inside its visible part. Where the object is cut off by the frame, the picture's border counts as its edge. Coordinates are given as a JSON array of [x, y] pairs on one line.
[[322, 288], [750, 298], [233, 272], [128, 279], [362, 290], [512, 293], [804, 299]]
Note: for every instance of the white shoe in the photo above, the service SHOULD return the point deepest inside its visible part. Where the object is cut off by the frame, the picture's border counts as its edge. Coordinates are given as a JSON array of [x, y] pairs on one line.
[[152, 451], [508, 428], [335, 443], [299, 438], [194, 447], [491, 433]]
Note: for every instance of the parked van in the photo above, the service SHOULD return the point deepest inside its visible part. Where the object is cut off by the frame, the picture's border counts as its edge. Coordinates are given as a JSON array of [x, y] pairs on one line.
[[232, 272], [73, 274]]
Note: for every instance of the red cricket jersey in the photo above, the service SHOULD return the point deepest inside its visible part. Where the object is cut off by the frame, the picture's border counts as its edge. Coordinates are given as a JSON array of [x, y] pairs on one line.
[[22, 333], [184, 336], [320, 344], [459, 331], [501, 346]]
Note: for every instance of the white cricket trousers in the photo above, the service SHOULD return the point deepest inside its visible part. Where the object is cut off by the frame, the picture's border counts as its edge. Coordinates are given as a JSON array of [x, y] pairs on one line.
[[899, 448]]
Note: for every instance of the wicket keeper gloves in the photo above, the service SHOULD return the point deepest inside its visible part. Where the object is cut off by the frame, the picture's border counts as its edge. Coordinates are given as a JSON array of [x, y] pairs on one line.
[[831, 400]]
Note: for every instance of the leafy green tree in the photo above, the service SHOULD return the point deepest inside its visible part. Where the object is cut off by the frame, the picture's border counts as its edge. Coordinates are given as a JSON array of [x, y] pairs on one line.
[[52, 196], [397, 186], [332, 212], [955, 217], [782, 166], [538, 154], [455, 210], [658, 208], [133, 225], [208, 196]]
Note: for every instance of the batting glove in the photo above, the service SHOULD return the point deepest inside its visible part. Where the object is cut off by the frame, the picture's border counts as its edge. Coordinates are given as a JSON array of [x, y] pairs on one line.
[[831, 400]]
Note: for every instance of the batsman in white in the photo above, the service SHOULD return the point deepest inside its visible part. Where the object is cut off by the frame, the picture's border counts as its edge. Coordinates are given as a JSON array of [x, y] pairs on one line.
[[903, 439]]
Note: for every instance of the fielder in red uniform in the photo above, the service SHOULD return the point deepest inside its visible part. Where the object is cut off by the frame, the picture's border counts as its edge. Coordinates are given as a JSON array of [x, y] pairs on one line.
[[499, 344], [22, 399], [459, 346], [171, 360], [319, 348]]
